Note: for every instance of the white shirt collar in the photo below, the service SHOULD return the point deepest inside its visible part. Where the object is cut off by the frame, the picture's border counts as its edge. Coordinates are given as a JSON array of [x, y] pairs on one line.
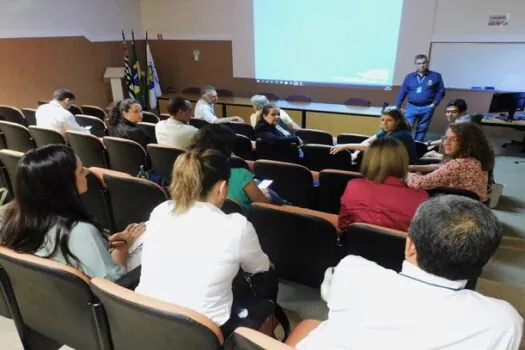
[[56, 103], [412, 271]]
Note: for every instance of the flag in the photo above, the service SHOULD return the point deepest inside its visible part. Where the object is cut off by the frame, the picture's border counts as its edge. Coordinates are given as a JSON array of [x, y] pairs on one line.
[[128, 75], [152, 78], [136, 73]]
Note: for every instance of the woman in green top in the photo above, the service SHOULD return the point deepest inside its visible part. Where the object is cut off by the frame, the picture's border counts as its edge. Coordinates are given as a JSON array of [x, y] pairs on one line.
[[47, 217], [241, 185], [392, 125]]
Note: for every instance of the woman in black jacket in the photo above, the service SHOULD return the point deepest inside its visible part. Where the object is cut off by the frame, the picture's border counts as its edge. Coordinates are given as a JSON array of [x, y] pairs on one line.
[[270, 130], [123, 122]]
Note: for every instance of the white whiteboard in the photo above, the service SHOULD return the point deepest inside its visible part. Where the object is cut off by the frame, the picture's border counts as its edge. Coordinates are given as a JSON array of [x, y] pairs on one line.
[[464, 65]]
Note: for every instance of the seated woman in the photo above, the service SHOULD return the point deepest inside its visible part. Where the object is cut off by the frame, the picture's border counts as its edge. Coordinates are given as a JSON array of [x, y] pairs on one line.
[[392, 125], [241, 186], [375, 199], [192, 250], [123, 122], [259, 102], [47, 217], [468, 160], [270, 131]]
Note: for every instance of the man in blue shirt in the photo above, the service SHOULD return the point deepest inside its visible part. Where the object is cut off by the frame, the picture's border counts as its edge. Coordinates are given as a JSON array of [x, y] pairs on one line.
[[424, 90]]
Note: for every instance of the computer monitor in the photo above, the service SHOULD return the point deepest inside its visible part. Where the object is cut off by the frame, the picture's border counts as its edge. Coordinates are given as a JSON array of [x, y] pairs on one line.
[[507, 102]]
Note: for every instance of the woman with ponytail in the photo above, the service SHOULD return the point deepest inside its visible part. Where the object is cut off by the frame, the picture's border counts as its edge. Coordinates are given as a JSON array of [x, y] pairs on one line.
[[192, 250], [123, 119]]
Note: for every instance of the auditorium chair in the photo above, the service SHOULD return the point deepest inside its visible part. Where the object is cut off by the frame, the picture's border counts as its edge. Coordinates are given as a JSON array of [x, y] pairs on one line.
[[421, 148], [232, 206], [9, 309], [88, 148], [149, 117], [292, 182], [198, 123], [162, 158], [302, 243], [98, 127], [137, 321], [5, 185], [192, 90], [351, 138], [13, 115], [55, 303], [96, 201], [42, 102], [125, 155], [332, 185], [242, 129], [224, 93], [315, 136], [149, 130], [131, 199], [243, 147], [359, 102], [455, 191], [30, 115], [282, 152], [318, 157], [94, 111], [74, 109], [43, 136], [250, 339], [164, 116], [17, 137], [299, 98], [9, 160], [270, 96], [238, 162]]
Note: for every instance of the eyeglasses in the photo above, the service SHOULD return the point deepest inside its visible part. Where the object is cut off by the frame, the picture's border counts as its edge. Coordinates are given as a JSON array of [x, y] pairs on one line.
[[452, 138]]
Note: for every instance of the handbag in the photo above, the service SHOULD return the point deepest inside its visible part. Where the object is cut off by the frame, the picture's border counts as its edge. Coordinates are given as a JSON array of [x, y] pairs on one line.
[[150, 175]]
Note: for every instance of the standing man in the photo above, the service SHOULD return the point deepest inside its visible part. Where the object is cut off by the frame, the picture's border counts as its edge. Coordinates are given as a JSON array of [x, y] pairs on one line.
[[424, 90], [204, 108]]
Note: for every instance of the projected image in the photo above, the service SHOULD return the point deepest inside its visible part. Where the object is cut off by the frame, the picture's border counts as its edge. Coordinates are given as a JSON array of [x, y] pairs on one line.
[[329, 42]]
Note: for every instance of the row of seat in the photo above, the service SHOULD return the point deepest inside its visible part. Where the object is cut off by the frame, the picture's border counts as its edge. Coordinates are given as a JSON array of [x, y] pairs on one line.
[[53, 304]]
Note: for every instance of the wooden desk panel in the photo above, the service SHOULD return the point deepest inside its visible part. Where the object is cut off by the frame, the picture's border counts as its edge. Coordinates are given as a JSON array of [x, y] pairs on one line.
[[337, 124], [239, 111], [295, 115]]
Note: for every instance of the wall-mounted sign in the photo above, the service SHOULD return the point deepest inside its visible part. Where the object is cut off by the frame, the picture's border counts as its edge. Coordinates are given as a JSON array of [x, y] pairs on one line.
[[499, 20]]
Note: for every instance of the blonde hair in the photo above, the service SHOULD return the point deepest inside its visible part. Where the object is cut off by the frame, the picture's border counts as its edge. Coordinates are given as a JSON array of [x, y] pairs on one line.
[[194, 175], [385, 157]]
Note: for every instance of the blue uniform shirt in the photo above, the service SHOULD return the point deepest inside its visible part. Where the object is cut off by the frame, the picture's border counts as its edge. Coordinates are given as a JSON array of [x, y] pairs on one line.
[[422, 90]]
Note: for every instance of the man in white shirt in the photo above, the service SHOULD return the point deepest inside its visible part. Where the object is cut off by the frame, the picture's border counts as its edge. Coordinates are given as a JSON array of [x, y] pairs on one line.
[[56, 115], [425, 306], [175, 131], [204, 109]]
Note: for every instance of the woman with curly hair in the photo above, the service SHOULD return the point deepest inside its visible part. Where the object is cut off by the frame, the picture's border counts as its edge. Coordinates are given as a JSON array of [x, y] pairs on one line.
[[468, 160]]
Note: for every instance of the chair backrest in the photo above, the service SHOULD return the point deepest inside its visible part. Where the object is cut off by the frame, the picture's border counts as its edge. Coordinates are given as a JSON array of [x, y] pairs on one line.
[[17, 137], [292, 182], [238, 162], [125, 155], [5, 183], [351, 138], [250, 339], [88, 148], [301, 243], [74, 109], [332, 185], [42, 102], [149, 117], [299, 98], [164, 116], [30, 115], [10, 160], [242, 129], [96, 201], [198, 123], [13, 115], [243, 147], [225, 93], [98, 127], [162, 158], [43, 136], [421, 148], [55, 300], [279, 152], [360, 102], [131, 199], [382, 245], [450, 190], [270, 96], [149, 130], [94, 111], [315, 136], [168, 326], [232, 206], [192, 90], [318, 157]]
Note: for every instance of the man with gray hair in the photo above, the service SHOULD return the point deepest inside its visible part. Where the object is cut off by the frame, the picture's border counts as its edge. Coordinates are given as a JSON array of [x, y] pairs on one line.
[[261, 101], [426, 305], [204, 109]]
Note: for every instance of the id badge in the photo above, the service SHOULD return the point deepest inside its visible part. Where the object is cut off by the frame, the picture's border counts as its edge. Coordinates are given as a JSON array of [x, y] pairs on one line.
[[419, 89]]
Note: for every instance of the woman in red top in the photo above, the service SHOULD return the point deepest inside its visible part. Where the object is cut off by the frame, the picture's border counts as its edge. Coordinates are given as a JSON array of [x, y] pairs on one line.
[[381, 197]]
